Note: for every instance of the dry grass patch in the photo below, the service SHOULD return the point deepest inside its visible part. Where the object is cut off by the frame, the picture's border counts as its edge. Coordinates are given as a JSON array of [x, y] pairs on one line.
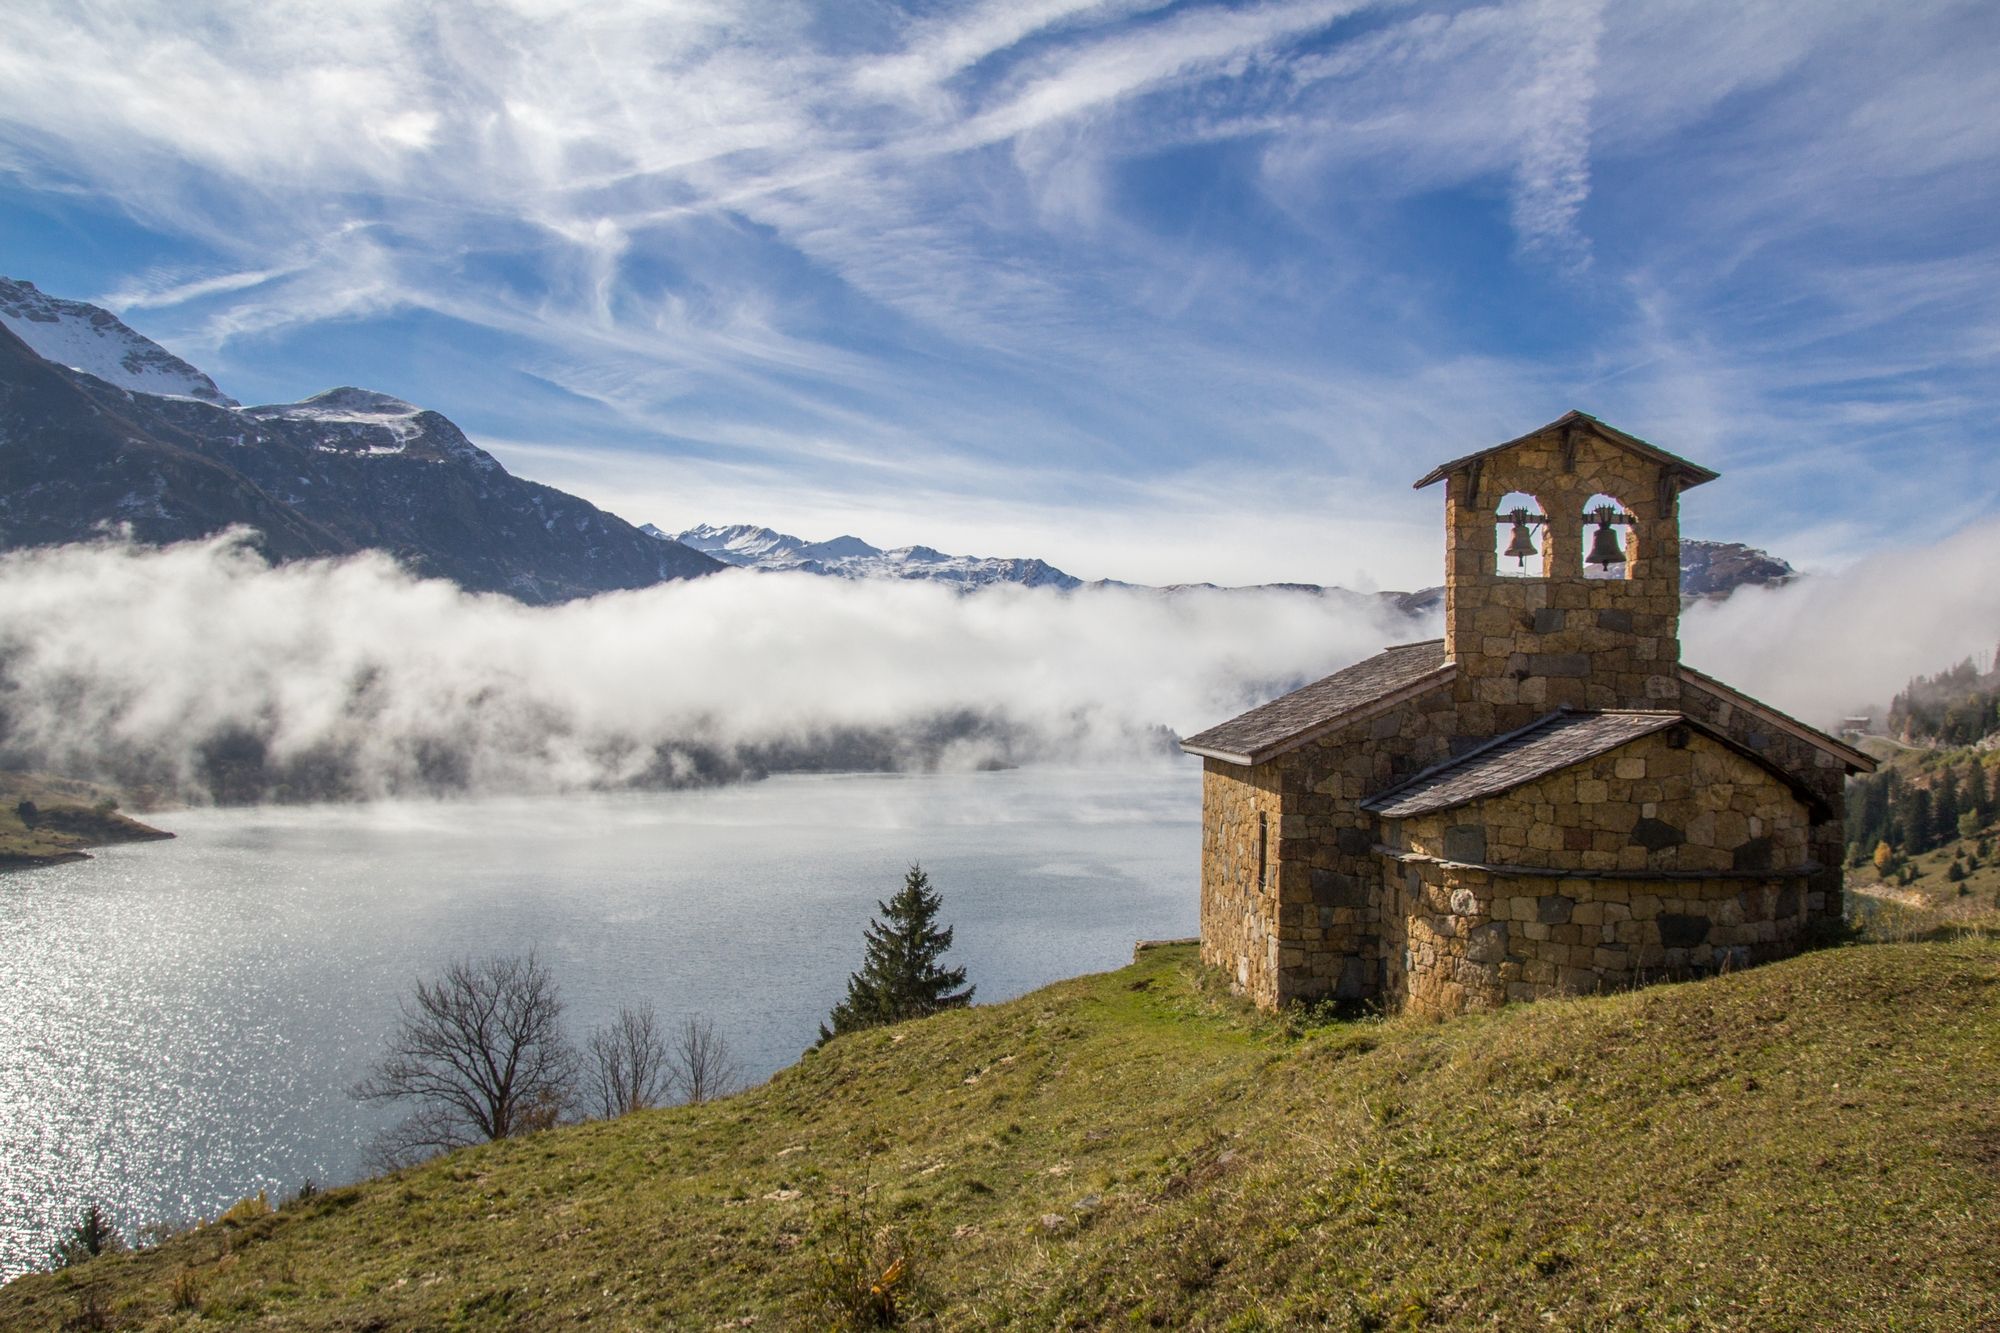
[[1808, 1144]]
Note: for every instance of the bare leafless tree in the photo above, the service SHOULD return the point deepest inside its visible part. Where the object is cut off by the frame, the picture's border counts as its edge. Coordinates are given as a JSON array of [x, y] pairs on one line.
[[480, 1053], [631, 1068], [703, 1067]]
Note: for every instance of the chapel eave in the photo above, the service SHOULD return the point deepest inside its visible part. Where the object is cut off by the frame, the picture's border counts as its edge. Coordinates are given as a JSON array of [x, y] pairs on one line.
[[1684, 471]]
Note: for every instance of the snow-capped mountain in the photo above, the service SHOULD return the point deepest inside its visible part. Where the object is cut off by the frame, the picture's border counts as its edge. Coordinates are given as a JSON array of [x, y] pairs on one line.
[[848, 557], [91, 339], [363, 422], [1708, 569], [343, 471]]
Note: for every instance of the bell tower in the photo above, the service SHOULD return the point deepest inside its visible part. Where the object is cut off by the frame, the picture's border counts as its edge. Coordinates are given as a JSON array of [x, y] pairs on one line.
[[1562, 573]]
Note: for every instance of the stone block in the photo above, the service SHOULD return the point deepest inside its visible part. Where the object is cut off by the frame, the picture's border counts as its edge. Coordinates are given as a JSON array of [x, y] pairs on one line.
[[1656, 834], [1575, 665], [1577, 980], [1683, 930], [1752, 854], [1487, 943], [1465, 842], [1332, 889]]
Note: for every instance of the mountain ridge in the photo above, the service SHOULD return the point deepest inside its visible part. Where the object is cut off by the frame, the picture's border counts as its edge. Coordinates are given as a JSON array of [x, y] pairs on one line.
[[342, 471], [1709, 569]]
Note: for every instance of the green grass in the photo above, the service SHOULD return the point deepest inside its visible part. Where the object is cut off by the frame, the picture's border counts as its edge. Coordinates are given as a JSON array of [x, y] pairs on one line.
[[1806, 1145], [72, 815], [1932, 905]]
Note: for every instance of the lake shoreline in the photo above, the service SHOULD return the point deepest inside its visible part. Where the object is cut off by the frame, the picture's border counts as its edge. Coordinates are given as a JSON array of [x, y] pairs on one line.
[[46, 820]]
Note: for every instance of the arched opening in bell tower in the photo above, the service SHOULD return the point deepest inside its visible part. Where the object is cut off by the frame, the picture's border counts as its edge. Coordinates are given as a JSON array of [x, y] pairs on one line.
[[1610, 537], [1520, 537]]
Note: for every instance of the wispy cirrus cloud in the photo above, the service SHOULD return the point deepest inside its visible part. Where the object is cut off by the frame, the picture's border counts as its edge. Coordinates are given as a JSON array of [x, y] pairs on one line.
[[1145, 244]]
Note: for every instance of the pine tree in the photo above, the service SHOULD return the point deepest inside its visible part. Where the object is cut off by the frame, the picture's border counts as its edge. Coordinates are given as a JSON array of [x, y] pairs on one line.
[[1944, 809], [900, 977], [1978, 794], [1918, 825]]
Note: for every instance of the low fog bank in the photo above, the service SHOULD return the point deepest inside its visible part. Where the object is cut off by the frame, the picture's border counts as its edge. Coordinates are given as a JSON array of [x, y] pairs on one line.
[[1831, 643], [202, 672]]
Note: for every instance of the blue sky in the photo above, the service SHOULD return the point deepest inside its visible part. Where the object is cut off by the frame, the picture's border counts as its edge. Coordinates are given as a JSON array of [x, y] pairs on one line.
[[1157, 292]]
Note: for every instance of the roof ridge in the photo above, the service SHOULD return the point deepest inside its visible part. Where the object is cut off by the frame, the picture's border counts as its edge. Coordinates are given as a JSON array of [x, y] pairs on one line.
[[1523, 736], [1300, 715], [1858, 760], [1477, 750], [1690, 472]]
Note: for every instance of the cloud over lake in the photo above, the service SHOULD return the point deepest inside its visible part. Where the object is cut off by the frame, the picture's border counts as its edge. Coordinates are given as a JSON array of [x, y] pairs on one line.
[[202, 669]]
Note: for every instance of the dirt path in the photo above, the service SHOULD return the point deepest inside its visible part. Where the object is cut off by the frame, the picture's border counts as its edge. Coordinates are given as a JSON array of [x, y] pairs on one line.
[[1907, 897]]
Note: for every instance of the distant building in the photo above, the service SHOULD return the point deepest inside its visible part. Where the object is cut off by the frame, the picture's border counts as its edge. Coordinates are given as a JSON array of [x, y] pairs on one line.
[[1544, 801]]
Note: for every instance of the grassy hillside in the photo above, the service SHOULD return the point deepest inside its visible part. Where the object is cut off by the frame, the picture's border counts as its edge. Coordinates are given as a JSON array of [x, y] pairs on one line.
[[46, 819], [1921, 892], [1810, 1144]]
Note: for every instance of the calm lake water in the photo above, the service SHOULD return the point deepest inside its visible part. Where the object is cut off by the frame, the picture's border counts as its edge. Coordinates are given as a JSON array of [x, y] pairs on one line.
[[180, 1021]]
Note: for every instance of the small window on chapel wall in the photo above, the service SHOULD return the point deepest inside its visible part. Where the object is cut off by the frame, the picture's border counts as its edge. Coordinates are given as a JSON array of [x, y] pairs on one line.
[[1607, 538], [1520, 537]]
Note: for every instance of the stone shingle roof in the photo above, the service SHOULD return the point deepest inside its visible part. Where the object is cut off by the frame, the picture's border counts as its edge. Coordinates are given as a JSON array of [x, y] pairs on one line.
[[1686, 472], [1293, 719], [1853, 760], [1535, 751]]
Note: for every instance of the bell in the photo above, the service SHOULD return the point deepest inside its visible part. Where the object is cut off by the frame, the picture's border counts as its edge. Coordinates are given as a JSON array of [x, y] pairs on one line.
[[1521, 545], [1604, 551]]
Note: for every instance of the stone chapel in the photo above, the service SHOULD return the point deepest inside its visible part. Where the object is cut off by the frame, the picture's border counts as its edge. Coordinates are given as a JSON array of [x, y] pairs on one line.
[[1544, 801]]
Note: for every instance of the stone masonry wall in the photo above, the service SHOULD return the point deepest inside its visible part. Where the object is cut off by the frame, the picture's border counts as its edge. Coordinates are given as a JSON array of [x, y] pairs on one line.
[[1311, 926], [1330, 887], [1731, 836], [1239, 897], [1819, 771], [1527, 645]]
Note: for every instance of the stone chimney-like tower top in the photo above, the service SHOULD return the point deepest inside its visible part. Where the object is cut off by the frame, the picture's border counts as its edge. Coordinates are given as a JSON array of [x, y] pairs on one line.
[[1533, 631]]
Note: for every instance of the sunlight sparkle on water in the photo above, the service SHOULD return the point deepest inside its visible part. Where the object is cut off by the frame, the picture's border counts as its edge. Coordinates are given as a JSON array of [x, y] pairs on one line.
[[180, 1021]]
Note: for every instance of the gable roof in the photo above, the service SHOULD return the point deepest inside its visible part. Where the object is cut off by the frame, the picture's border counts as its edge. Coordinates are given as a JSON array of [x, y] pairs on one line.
[[1855, 761], [1544, 746], [1290, 721], [1685, 472], [1548, 745]]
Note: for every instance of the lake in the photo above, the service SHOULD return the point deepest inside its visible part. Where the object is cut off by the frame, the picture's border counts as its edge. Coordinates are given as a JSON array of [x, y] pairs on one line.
[[180, 1021]]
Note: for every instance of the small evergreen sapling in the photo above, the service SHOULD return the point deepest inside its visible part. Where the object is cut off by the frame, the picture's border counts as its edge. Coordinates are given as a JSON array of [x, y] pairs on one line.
[[91, 1235], [900, 977]]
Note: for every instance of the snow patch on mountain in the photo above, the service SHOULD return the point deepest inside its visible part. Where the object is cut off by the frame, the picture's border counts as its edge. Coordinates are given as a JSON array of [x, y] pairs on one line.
[[750, 547], [93, 340], [343, 404], [362, 421]]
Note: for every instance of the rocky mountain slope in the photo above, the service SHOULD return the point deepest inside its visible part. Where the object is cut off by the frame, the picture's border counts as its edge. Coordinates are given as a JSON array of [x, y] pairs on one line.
[[125, 433], [1708, 569], [1716, 569], [95, 341]]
